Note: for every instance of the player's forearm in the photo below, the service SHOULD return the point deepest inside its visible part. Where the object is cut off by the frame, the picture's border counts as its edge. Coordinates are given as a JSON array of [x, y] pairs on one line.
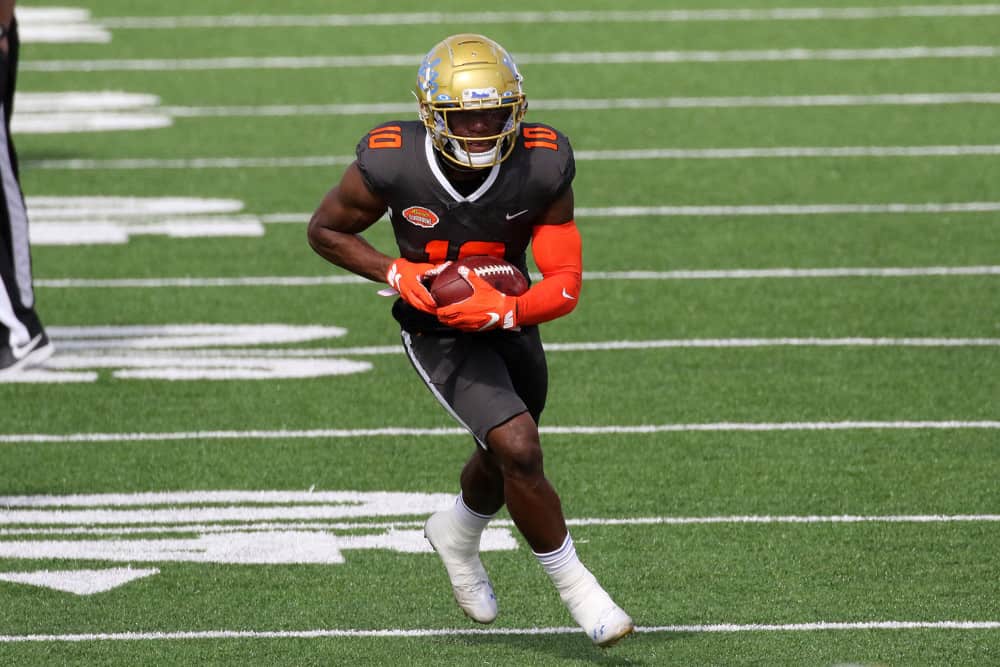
[[556, 295], [349, 251], [559, 256]]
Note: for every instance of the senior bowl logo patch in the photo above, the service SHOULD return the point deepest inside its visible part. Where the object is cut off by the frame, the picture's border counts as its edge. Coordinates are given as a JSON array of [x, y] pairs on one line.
[[421, 216]]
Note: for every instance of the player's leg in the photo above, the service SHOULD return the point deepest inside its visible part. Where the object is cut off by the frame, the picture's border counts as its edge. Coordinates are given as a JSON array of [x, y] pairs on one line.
[[455, 534], [530, 498], [537, 512], [482, 483], [534, 504], [449, 366], [473, 377], [516, 449]]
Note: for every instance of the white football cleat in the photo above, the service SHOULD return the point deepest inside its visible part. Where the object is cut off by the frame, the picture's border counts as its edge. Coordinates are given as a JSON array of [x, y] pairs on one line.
[[469, 581], [594, 610], [613, 625]]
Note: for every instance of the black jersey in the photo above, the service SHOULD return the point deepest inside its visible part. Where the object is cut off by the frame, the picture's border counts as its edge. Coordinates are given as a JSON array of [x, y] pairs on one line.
[[434, 222]]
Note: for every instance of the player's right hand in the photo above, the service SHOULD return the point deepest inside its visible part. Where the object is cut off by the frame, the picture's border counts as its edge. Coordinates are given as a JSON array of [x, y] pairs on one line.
[[406, 278]]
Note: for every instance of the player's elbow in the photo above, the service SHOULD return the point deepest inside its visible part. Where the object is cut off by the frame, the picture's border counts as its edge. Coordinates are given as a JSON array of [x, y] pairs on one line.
[[569, 304], [321, 238], [555, 296], [572, 286], [314, 233]]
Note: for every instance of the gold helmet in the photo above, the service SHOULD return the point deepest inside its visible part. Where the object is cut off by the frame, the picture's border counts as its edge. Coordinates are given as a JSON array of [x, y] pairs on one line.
[[470, 73]]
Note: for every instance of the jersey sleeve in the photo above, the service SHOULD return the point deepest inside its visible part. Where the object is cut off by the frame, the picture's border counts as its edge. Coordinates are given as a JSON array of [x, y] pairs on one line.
[[380, 152], [553, 166], [567, 171]]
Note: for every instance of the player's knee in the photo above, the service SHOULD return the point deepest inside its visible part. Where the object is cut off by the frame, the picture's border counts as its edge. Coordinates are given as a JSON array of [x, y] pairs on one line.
[[521, 459], [516, 448]]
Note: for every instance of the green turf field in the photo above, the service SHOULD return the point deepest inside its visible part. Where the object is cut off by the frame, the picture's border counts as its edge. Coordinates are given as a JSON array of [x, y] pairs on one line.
[[774, 419]]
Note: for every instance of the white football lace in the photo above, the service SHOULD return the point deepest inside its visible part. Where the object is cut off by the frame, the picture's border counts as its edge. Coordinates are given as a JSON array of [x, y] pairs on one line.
[[494, 269]]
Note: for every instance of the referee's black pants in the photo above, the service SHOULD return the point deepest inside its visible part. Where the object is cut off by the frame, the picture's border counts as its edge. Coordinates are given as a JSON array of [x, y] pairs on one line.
[[18, 320]]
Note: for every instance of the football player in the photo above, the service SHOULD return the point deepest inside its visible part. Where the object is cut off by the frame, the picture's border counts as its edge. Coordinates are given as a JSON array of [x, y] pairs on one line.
[[470, 178], [23, 342]]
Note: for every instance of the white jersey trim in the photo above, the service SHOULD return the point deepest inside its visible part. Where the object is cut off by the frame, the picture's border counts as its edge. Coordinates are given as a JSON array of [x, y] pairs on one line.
[[446, 184]]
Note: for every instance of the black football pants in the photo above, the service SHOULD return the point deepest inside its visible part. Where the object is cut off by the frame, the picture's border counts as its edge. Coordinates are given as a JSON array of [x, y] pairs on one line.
[[482, 379]]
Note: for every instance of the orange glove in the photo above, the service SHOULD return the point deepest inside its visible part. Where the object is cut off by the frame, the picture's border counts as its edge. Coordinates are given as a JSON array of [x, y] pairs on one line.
[[487, 308], [405, 277]]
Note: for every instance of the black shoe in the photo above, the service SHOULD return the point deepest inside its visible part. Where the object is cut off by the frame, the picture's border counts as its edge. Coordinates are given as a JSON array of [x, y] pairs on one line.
[[32, 353]]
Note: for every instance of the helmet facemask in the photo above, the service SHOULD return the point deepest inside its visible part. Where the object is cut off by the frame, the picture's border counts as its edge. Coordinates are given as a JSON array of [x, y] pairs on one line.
[[468, 149]]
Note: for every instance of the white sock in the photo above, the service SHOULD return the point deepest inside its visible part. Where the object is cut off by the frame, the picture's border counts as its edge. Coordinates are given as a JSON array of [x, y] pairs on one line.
[[564, 567], [467, 525], [577, 586], [470, 519]]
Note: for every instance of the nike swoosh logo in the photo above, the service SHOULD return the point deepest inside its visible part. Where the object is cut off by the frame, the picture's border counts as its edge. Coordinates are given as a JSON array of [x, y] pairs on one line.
[[494, 318], [511, 216], [22, 351], [567, 295]]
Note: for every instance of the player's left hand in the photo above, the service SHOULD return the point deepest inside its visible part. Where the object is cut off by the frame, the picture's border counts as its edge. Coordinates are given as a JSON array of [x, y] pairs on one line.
[[486, 309]]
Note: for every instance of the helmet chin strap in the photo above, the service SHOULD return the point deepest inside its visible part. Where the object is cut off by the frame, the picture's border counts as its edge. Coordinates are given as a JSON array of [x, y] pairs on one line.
[[474, 160]]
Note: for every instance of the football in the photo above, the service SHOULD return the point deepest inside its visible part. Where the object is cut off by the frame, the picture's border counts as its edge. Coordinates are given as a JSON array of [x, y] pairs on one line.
[[450, 287]]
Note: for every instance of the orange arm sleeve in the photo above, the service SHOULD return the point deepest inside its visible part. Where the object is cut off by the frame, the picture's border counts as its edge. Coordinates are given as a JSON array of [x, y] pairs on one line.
[[557, 250]]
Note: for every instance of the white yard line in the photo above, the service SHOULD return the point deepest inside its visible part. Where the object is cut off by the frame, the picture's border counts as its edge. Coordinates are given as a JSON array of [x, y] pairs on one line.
[[550, 17], [557, 58], [697, 211], [100, 349], [741, 153], [598, 104], [835, 272], [322, 526], [131, 164], [772, 342], [766, 519], [820, 626], [787, 209], [787, 152], [885, 99], [95, 347], [454, 431], [246, 281], [692, 274]]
